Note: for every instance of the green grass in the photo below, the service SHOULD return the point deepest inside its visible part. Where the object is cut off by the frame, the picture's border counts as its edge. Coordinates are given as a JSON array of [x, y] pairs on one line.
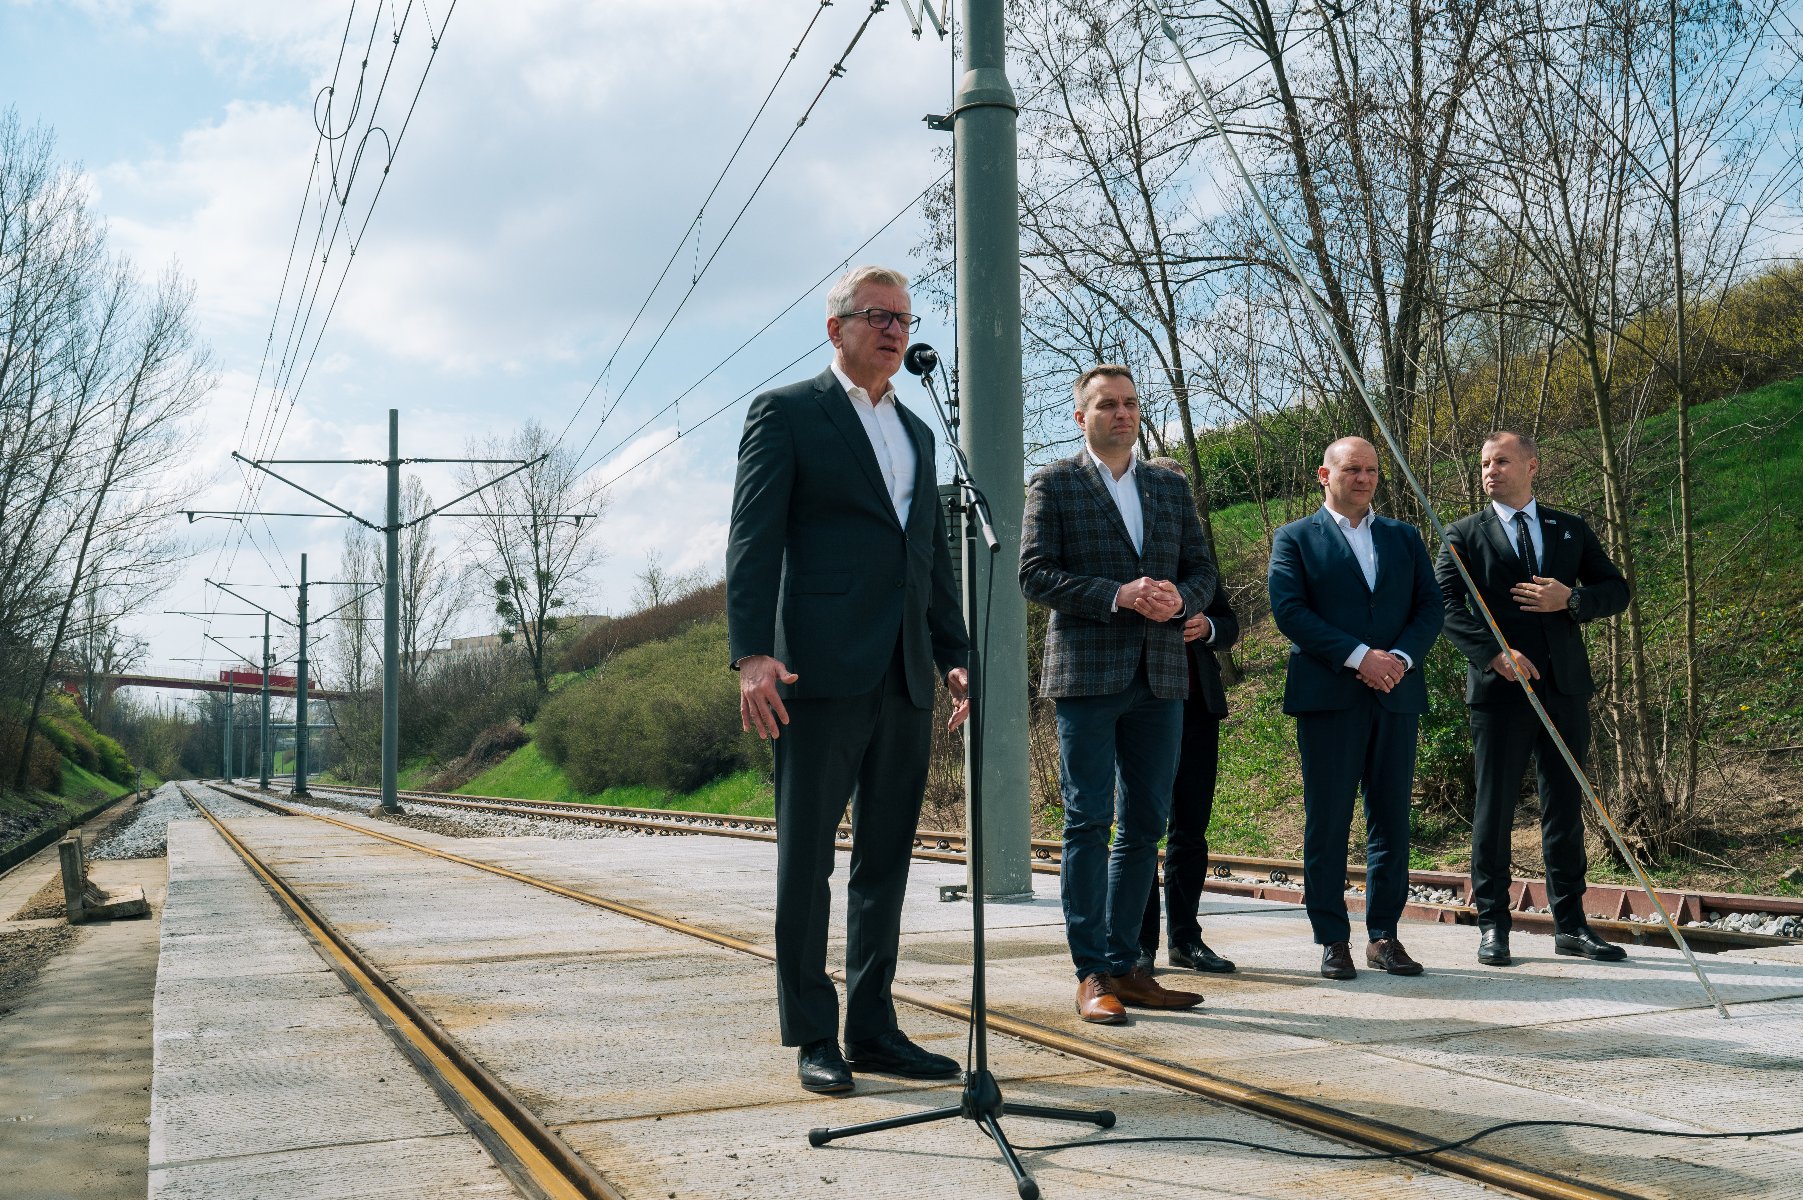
[[527, 774], [78, 782]]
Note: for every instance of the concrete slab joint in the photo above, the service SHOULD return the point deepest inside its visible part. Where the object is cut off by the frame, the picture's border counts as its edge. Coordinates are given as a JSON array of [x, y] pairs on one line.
[[84, 899]]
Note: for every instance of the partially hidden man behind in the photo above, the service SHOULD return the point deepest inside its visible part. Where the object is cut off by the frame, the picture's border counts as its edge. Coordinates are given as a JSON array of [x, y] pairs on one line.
[[1116, 551], [1211, 632], [842, 617], [1354, 592], [1542, 573]]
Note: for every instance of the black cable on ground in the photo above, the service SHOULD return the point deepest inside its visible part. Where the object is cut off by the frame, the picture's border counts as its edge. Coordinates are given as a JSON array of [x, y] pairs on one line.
[[1419, 1152]]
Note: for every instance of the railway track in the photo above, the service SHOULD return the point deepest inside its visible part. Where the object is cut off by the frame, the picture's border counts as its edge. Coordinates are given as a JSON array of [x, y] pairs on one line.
[[554, 1170], [1620, 914]]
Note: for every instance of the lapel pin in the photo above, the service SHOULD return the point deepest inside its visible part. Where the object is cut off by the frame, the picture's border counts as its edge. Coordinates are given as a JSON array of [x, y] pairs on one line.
[[1568, 535]]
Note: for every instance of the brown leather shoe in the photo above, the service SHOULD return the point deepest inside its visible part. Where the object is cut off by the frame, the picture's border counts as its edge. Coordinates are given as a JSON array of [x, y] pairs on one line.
[[1139, 989], [1388, 954], [1096, 1001], [1336, 961]]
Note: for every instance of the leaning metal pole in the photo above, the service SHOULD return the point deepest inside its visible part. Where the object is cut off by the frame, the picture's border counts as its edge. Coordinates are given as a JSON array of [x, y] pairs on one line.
[[986, 195], [1324, 324], [300, 691], [391, 619]]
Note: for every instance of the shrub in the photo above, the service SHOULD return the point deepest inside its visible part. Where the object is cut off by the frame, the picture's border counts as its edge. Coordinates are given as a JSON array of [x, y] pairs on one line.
[[46, 771], [664, 714]]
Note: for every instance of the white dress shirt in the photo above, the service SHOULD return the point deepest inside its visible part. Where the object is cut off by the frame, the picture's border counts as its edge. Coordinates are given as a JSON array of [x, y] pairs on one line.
[[1125, 491], [1506, 515], [1364, 549], [889, 440]]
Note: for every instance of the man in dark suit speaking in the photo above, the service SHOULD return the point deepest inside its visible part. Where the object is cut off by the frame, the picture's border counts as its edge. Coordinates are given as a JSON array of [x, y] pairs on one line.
[[1542, 573], [1114, 548], [1354, 592], [841, 615]]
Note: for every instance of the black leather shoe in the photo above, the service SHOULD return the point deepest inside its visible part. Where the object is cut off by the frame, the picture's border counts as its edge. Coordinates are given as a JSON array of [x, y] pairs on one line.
[[1144, 959], [1387, 954], [1336, 961], [822, 1068], [893, 1054], [1198, 957], [1493, 948], [1582, 942]]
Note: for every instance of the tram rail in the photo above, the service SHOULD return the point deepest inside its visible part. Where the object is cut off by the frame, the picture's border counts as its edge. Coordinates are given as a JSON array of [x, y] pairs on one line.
[[1384, 1137], [1613, 915]]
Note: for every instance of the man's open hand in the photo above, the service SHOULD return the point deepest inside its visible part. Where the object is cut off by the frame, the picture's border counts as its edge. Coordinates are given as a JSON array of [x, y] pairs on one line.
[[1543, 595], [957, 682], [1507, 669], [760, 705]]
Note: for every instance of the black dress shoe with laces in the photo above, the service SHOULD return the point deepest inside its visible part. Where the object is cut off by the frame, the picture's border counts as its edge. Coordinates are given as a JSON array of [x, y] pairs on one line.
[[1336, 961], [1583, 942], [1493, 948], [893, 1054], [1198, 957], [822, 1068]]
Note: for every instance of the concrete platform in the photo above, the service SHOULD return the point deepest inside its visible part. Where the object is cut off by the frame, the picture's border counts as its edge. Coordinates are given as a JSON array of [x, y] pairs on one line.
[[656, 1055]]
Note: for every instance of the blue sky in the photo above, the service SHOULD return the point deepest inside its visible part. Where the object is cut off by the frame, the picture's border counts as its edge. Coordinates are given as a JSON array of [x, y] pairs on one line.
[[558, 151]]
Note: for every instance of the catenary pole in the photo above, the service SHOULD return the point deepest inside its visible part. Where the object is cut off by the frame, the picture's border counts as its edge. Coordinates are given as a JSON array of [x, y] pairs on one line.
[[391, 620], [263, 729], [230, 697], [986, 198], [300, 691]]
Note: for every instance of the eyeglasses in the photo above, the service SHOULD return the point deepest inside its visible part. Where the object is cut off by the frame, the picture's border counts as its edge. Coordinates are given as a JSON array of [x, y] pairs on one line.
[[882, 318]]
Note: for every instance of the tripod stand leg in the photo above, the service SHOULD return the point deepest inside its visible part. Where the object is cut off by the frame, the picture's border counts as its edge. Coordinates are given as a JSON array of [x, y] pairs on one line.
[[1102, 1118], [821, 1135], [1023, 1182]]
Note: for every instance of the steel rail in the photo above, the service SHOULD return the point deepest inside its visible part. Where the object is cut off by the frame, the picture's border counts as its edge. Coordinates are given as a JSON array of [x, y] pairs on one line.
[[1304, 1114], [1276, 882], [524, 1146]]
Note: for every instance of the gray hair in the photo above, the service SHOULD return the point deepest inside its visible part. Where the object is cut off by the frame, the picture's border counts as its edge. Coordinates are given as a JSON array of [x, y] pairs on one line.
[[844, 294]]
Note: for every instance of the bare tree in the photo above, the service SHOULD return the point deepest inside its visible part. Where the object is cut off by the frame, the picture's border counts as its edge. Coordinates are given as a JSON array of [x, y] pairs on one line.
[[534, 537], [658, 584]]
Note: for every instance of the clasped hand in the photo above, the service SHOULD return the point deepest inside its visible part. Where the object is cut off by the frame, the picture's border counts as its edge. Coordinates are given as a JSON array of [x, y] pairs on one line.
[[1381, 670], [1543, 595], [1153, 599]]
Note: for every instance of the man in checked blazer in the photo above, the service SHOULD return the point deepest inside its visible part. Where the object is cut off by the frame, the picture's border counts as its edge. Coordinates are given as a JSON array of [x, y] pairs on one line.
[[842, 619], [1354, 592], [1116, 551], [1542, 573]]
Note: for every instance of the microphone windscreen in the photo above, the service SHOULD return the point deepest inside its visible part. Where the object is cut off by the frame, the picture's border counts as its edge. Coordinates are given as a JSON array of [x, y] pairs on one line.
[[920, 359]]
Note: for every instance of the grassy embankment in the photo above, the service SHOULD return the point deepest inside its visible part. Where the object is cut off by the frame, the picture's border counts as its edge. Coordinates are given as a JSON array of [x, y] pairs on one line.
[[527, 774]]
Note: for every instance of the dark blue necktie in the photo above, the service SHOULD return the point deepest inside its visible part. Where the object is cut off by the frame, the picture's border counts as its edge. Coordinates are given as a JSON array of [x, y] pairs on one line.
[[1524, 545]]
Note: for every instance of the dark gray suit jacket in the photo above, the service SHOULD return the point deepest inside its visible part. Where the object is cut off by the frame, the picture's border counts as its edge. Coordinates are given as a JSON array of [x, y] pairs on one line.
[[1206, 688], [1075, 555], [1552, 641], [1320, 601], [819, 571]]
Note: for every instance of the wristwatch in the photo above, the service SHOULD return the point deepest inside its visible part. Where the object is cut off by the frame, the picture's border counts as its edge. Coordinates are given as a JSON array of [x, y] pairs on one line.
[[1571, 605]]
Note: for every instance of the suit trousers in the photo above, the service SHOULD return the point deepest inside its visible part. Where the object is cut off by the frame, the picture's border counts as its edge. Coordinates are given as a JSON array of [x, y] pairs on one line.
[[1186, 846], [1117, 755], [1341, 750], [871, 750], [1504, 732]]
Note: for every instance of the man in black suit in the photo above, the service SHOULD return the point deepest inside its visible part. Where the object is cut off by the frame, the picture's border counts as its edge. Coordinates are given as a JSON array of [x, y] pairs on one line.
[[841, 612], [1542, 573], [1114, 548], [1211, 632], [1354, 592]]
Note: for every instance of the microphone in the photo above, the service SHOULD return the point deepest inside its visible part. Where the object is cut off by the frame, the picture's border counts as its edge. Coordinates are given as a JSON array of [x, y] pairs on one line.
[[921, 359]]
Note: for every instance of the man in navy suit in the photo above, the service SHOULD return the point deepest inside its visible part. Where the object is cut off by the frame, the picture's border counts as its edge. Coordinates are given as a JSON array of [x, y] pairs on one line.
[[1355, 594], [1542, 573]]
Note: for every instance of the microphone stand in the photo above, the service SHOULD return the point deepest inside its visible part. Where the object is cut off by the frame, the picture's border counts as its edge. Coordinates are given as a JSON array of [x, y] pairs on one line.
[[981, 1100]]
